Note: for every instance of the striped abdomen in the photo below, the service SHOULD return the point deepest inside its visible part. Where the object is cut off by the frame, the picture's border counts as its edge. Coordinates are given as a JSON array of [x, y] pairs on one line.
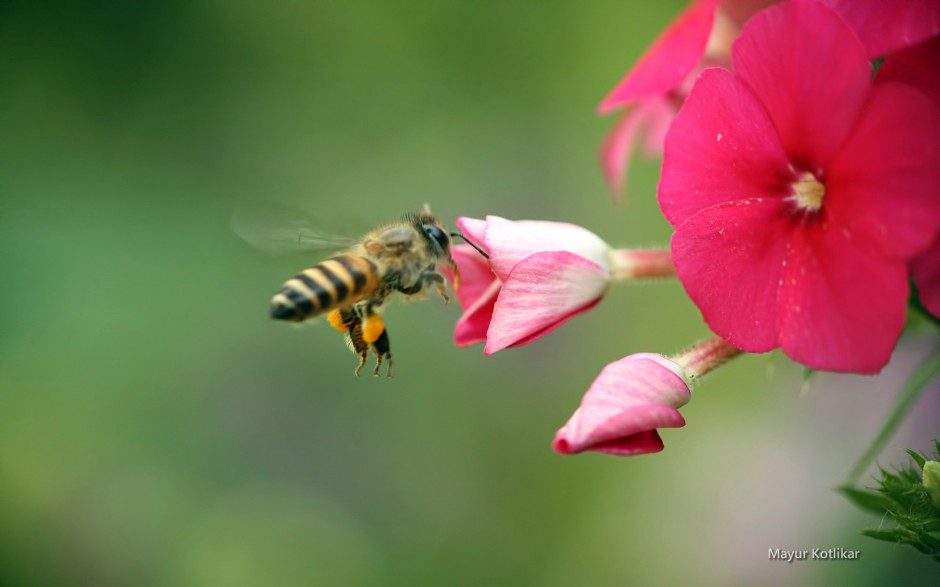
[[334, 283]]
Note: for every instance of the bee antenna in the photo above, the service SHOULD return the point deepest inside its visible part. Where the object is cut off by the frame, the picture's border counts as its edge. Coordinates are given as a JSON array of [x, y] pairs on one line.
[[470, 242]]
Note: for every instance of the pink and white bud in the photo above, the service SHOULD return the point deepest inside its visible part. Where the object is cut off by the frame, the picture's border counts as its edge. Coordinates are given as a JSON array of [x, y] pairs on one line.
[[632, 398], [539, 275], [624, 407]]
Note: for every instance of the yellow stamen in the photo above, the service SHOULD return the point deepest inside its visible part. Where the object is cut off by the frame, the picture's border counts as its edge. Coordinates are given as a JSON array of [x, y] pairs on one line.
[[808, 192]]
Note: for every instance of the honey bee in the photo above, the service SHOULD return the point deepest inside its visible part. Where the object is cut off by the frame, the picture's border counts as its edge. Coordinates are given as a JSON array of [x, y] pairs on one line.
[[403, 257]]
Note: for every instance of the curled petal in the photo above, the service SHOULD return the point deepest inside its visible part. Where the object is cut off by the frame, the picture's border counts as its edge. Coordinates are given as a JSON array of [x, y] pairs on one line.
[[473, 325], [543, 291], [650, 118], [669, 60], [475, 275], [476, 294], [916, 66], [926, 270], [509, 242], [886, 26], [625, 405]]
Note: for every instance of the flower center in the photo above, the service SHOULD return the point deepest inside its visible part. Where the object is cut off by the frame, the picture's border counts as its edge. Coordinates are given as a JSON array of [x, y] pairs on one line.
[[808, 192]]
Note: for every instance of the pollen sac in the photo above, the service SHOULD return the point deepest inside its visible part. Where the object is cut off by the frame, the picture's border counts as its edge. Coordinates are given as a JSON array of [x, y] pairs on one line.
[[808, 192]]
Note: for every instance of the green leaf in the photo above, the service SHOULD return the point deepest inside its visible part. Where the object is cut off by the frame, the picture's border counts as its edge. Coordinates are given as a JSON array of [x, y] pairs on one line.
[[885, 535], [920, 460], [904, 497], [866, 500]]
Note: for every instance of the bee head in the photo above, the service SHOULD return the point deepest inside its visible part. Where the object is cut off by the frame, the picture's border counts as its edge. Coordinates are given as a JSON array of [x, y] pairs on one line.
[[434, 233]]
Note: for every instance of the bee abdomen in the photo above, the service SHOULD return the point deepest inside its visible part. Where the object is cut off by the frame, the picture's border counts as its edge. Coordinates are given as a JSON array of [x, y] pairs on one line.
[[333, 283]]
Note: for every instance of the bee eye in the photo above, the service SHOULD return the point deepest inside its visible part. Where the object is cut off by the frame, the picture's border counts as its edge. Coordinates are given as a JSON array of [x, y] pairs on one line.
[[438, 235]]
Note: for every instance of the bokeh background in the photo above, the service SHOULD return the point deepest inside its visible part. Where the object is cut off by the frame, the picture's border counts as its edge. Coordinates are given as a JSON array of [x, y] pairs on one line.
[[157, 429]]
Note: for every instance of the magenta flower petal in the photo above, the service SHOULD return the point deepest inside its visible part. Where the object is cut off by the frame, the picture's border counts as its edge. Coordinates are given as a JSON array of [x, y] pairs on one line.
[[542, 291], [510, 242], [650, 118], [624, 406], [916, 66], [669, 60], [839, 308], [729, 258], [926, 270], [721, 148], [810, 72], [885, 26], [805, 249], [894, 149]]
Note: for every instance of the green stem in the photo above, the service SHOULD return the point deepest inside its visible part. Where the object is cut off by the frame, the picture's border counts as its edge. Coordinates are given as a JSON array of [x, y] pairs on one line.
[[917, 305], [628, 264], [916, 383], [706, 356]]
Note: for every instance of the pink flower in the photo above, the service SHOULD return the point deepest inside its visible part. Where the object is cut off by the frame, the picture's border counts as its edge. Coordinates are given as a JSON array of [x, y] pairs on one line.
[[633, 397], [538, 276], [625, 405], [926, 270], [885, 26], [701, 36], [918, 67], [653, 90], [800, 189]]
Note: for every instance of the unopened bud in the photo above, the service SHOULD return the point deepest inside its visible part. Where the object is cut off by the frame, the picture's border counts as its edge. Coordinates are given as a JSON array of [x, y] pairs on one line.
[[932, 481]]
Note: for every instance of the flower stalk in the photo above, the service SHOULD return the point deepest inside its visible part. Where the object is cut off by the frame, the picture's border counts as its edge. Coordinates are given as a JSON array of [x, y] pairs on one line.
[[629, 264], [706, 356]]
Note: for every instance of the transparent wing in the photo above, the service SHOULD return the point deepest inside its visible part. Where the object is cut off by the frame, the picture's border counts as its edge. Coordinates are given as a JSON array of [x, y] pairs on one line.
[[278, 231]]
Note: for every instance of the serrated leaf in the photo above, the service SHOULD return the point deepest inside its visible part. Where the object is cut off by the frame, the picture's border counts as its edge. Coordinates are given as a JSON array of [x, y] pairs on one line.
[[866, 500], [885, 535], [920, 460]]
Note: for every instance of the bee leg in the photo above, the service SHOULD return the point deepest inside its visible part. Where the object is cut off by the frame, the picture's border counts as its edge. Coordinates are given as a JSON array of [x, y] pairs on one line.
[[356, 343], [382, 349], [427, 278], [441, 290], [438, 280], [362, 363]]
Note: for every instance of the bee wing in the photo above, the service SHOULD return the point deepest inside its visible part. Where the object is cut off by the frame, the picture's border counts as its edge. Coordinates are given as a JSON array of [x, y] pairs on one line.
[[281, 232]]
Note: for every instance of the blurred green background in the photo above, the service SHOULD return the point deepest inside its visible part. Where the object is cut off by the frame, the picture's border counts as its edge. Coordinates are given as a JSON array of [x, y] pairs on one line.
[[157, 429]]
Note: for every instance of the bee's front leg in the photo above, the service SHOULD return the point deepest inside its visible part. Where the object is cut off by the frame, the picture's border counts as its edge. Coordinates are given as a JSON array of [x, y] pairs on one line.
[[432, 276], [441, 289]]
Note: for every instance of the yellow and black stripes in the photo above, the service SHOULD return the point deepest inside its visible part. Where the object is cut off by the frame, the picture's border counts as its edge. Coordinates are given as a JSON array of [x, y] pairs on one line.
[[336, 282]]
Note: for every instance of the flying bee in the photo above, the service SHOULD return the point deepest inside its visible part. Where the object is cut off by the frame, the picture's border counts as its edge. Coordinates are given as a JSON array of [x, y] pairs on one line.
[[403, 257]]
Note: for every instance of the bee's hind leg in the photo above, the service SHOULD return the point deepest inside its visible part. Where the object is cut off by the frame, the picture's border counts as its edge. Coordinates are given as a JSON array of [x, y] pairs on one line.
[[362, 363], [356, 343], [382, 350]]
